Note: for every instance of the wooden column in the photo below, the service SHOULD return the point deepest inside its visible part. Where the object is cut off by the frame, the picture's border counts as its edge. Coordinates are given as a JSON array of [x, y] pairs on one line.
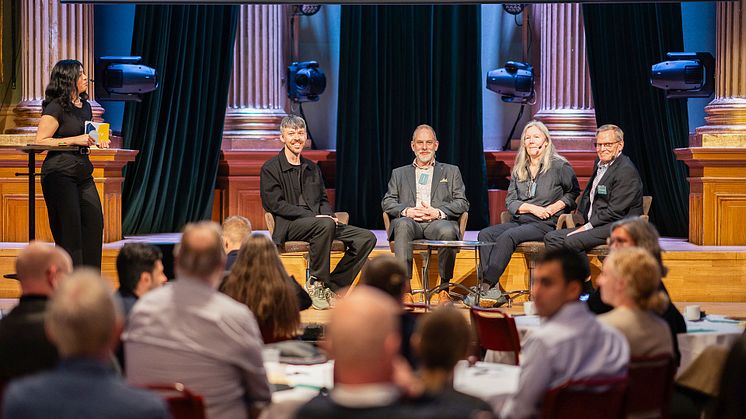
[[51, 31], [717, 154], [564, 99], [257, 95]]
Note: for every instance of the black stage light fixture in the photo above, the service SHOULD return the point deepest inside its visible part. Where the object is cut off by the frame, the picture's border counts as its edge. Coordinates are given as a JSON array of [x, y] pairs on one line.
[[306, 81], [686, 74], [515, 82], [513, 8], [123, 78], [306, 9]]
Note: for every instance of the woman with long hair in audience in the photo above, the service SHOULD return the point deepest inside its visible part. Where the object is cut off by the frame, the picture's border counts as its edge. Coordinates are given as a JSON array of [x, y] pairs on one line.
[[630, 282], [638, 232], [543, 186], [259, 280]]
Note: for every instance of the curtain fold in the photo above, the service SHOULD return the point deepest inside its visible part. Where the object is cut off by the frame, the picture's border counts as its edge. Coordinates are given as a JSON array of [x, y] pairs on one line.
[[178, 128], [623, 41], [401, 66]]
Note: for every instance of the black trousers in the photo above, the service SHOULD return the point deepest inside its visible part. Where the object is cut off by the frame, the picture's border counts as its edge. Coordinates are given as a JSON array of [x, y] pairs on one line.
[[320, 233], [494, 259], [579, 242], [75, 216], [406, 229]]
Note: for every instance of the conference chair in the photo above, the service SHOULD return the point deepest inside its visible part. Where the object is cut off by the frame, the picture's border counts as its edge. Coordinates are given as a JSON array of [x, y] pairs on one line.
[[462, 219], [182, 403], [496, 331], [305, 247], [586, 399], [650, 386]]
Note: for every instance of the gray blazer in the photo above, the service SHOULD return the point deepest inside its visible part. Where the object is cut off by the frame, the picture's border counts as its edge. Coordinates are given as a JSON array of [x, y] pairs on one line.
[[447, 193]]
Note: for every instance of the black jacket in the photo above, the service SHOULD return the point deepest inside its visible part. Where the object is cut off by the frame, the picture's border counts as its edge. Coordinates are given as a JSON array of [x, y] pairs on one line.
[[620, 197], [278, 199], [24, 347]]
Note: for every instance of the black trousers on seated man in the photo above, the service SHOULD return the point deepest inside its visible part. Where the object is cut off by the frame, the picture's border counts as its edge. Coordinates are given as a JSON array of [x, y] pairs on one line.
[[320, 232], [579, 242], [494, 259], [405, 230]]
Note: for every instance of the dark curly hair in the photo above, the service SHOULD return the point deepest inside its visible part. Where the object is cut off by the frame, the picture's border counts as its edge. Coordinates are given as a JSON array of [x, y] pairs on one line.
[[63, 84]]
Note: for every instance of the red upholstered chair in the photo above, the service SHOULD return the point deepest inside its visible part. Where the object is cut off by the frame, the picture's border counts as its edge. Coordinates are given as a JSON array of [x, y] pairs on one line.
[[182, 403], [496, 331], [586, 399], [650, 386]]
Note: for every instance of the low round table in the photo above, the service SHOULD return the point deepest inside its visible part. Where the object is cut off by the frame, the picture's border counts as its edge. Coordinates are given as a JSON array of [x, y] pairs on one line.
[[430, 245]]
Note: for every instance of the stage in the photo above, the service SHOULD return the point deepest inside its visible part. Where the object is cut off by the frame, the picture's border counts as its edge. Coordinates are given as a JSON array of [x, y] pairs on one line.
[[696, 273]]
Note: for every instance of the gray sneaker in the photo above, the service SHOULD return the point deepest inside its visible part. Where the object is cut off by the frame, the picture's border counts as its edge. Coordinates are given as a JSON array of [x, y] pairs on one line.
[[331, 297], [318, 294], [491, 297]]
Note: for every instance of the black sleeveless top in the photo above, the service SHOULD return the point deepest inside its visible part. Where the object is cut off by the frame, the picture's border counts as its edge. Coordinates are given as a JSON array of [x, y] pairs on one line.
[[71, 123]]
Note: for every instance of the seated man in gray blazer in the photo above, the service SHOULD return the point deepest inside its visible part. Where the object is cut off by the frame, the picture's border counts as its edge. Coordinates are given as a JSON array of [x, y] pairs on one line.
[[424, 200]]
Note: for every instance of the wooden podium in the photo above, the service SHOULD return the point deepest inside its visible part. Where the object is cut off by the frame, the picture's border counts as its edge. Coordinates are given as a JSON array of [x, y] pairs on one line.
[[14, 193]]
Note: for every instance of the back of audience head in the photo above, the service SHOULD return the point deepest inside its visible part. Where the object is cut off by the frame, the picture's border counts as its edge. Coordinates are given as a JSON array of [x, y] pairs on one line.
[[560, 274], [434, 352], [40, 267], [637, 232], [259, 280], [140, 268], [386, 273], [731, 403], [363, 337], [235, 230], [83, 318], [632, 277], [200, 253]]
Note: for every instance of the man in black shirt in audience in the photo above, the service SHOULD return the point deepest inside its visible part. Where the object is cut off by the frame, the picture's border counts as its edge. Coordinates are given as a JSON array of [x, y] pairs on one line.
[[24, 347], [140, 269], [235, 230]]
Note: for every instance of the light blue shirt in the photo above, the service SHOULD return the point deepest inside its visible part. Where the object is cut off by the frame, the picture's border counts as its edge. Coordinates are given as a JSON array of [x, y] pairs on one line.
[[570, 345]]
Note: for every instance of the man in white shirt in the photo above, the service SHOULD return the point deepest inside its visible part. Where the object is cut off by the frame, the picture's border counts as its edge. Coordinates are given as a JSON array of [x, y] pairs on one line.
[[571, 344], [188, 332]]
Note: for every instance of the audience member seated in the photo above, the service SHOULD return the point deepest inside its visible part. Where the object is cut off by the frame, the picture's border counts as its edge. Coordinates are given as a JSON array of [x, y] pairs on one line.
[[630, 282], [389, 274], [24, 346], [188, 332], [235, 230], [259, 280], [438, 358], [635, 231], [731, 403], [570, 344], [140, 269], [84, 321]]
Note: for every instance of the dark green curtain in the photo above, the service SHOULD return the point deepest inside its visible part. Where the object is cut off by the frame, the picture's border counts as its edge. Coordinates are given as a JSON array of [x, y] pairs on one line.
[[178, 128], [623, 41], [401, 66]]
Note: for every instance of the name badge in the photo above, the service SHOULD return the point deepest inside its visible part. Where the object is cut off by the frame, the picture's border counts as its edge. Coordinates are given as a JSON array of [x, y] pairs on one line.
[[601, 190], [423, 179]]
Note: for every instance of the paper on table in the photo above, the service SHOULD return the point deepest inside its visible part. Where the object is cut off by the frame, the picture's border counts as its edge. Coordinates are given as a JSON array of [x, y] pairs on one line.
[[486, 380], [317, 376]]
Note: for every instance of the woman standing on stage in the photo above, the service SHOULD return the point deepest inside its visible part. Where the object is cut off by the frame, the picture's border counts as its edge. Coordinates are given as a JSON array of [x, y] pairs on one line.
[[73, 205]]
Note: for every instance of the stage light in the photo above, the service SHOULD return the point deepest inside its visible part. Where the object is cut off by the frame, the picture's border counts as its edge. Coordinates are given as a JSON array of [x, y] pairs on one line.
[[515, 82], [687, 74], [123, 78], [306, 81], [306, 9], [513, 8]]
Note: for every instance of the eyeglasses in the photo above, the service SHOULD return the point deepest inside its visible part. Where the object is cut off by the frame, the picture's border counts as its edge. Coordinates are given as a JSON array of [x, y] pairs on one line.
[[604, 145]]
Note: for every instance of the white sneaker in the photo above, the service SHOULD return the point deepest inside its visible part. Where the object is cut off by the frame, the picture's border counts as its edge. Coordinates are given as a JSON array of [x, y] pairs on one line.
[[318, 294], [331, 297]]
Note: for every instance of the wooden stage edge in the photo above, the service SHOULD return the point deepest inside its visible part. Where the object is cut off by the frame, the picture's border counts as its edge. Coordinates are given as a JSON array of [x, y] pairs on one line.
[[696, 273]]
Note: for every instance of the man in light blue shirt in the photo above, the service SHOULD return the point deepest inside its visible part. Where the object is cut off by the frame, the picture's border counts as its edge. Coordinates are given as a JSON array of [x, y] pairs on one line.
[[570, 344]]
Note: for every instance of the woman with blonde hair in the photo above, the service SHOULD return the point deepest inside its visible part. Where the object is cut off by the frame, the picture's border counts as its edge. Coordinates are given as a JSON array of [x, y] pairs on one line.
[[630, 282], [259, 280], [542, 187]]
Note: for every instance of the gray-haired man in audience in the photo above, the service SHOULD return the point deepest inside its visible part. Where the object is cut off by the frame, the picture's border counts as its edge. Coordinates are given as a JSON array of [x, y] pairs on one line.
[[188, 332]]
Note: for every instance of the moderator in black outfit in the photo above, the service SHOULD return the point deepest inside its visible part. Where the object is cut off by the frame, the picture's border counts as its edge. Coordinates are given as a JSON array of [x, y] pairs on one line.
[[24, 347], [295, 195], [73, 205], [558, 183], [618, 195]]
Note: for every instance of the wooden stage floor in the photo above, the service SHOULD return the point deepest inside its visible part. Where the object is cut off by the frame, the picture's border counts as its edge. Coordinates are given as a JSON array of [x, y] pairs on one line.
[[696, 273]]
